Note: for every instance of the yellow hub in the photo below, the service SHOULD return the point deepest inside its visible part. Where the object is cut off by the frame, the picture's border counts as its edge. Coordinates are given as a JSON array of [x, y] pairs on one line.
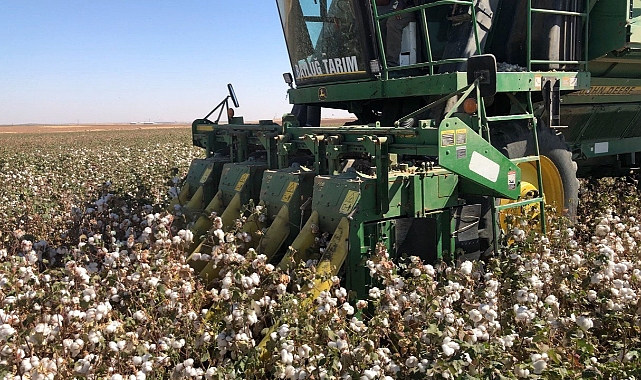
[[553, 192]]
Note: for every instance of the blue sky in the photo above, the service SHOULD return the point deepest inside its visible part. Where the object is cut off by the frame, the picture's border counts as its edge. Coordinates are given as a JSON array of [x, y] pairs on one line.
[[90, 61]]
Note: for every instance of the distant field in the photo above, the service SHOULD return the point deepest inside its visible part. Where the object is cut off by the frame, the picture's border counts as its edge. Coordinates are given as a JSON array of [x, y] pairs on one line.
[[44, 128], [57, 128]]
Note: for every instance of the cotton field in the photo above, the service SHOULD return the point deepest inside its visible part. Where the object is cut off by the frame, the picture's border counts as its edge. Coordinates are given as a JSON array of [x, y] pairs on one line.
[[94, 284]]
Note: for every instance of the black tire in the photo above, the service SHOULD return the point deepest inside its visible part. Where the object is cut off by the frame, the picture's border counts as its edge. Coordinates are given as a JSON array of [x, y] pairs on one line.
[[515, 140]]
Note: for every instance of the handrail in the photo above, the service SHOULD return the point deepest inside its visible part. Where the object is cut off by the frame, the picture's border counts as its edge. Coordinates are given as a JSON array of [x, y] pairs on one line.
[[425, 31], [583, 64], [430, 62]]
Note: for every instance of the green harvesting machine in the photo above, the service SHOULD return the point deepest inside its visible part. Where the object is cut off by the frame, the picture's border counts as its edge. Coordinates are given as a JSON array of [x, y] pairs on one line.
[[496, 106]]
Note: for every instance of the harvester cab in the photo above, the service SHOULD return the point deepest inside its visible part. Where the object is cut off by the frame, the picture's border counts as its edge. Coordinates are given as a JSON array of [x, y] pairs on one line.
[[444, 143]]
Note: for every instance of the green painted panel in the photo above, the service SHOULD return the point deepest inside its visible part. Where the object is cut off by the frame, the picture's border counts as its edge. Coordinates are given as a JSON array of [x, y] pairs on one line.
[[291, 187], [338, 196], [601, 122], [467, 154], [610, 122], [206, 173], [608, 21], [531, 81], [378, 89], [575, 118], [611, 147], [244, 178]]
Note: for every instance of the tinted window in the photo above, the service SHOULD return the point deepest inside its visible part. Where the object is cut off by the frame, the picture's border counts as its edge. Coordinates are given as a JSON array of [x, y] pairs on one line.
[[322, 37]]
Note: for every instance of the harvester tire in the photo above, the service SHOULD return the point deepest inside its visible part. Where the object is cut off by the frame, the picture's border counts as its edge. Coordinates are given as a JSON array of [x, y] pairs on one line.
[[517, 140]]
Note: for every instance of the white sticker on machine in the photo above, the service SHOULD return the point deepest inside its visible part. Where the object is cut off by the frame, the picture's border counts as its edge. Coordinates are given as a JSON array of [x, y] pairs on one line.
[[511, 180], [601, 147], [484, 167]]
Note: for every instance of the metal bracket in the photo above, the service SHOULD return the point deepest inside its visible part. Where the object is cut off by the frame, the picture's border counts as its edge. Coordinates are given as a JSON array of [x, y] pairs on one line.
[[551, 91]]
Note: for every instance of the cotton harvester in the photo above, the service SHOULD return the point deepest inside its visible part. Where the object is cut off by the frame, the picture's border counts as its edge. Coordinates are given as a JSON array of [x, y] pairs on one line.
[[492, 107]]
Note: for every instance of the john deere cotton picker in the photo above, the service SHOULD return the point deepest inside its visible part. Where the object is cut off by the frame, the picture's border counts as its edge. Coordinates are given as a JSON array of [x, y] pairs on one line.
[[491, 103]]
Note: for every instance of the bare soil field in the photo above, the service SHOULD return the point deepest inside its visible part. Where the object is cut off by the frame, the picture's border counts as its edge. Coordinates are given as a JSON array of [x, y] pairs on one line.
[[102, 127], [57, 128]]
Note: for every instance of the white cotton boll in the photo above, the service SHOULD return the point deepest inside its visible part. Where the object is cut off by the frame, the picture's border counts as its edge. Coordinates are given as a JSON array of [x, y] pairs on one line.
[[281, 288], [585, 323], [618, 284], [147, 367], [348, 309], [399, 283], [518, 234], [140, 316], [227, 281], [369, 374], [237, 313], [475, 315], [521, 372], [252, 318], [602, 230], [449, 347], [247, 282], [82, 366], [466, 268], [429, 270], [25, 365], [539, 362], [113, 346], [523, 314], [576, 260], [283, 330], [411, 362], [521, 295], [286, 357], [220, 235], [375, 293], [357, 325], [6, 331], [290, 372], [255, 278]]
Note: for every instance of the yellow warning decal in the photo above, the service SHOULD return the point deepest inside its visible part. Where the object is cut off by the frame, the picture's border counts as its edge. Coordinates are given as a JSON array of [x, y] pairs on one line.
[[447, 138], [461, 136], [349, 202], [241, 181], [289, 192], [609, 90], [206, 174]]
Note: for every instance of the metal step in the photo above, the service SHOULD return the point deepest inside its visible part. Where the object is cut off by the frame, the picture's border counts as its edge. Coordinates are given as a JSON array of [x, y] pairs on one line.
[[510, 117], [519, 203]]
